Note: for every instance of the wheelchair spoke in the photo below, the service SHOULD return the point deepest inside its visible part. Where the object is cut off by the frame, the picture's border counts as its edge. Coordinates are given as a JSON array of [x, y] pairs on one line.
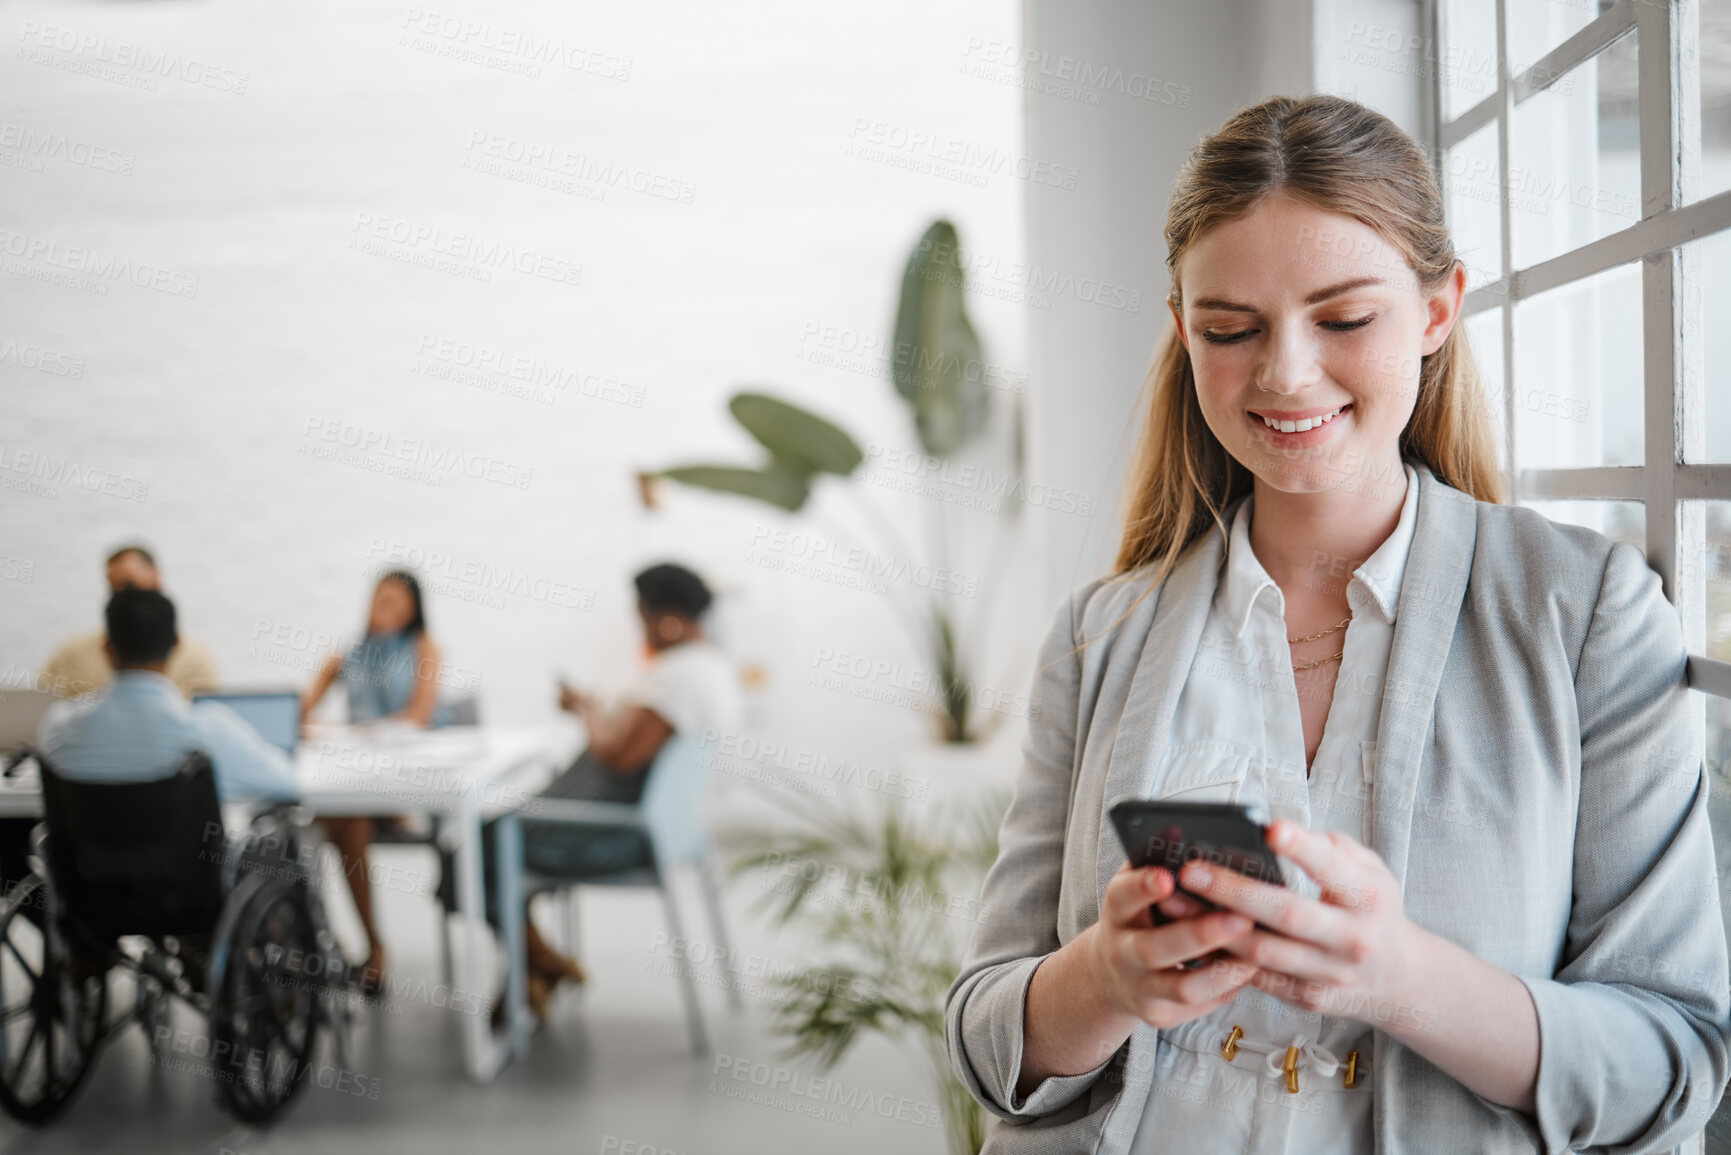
[[35, 975], [24, 1055]]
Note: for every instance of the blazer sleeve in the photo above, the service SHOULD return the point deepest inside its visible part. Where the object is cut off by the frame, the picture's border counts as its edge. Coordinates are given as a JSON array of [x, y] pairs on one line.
[[984, 1007], [1634, 1025]]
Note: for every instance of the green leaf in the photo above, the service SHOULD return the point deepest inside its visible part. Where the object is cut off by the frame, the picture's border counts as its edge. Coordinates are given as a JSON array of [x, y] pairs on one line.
[[779, 487], [798, 440], [937, 362]]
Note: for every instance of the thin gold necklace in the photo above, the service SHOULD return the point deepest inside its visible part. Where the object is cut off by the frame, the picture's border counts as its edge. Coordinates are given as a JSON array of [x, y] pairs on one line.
[[1312, 637]]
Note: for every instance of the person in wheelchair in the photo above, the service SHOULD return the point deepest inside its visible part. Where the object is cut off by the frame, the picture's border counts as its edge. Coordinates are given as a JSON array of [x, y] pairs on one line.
[[133, 869], [139, 726]]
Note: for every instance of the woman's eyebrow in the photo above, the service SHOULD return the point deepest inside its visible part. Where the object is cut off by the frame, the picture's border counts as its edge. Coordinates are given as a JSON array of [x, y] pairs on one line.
[[1315, 298]]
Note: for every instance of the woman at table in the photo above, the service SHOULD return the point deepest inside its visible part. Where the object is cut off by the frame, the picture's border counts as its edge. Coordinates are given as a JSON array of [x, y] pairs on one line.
[[391, 673], [1469, 725]]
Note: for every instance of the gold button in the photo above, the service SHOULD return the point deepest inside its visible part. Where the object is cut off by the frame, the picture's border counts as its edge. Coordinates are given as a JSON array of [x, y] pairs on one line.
[[1230, 1048], [1351, 1079], [1290, 1066]]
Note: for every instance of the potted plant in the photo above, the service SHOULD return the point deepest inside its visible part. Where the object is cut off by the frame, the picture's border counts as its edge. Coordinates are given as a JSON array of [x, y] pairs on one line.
[[894, 898], [938, 368]]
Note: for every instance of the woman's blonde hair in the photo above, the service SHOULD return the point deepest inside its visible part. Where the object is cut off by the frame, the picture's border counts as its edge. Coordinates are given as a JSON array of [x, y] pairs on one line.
[[1339, 156]]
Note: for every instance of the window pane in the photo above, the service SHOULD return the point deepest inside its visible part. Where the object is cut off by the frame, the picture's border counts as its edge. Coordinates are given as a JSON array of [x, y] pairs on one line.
[[1536, 28], [1617, 520], [1469, 57], [1485, 334], [1574, 159], [1712, 273], [1715, 42], [1717, 565], [1578, 374], [1471, 193]]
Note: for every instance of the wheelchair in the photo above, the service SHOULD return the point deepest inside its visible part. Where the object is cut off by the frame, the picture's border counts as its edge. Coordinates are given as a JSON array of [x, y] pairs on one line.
[[141, 877]]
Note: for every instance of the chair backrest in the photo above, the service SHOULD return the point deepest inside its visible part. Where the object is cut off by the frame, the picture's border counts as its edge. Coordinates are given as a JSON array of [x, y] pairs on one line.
[[675, 800], [461, 710], [137, 857]]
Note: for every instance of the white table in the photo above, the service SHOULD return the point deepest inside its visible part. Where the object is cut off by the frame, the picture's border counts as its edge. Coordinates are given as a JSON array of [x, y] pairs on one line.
[[461, 774]]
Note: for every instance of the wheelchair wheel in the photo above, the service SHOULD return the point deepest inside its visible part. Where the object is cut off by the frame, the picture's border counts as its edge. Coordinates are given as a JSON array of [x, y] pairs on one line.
[[266, 1006], [51, 1015]]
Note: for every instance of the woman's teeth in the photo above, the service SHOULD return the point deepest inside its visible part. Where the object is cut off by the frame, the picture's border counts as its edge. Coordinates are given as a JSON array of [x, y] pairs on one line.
[[1300, 426]]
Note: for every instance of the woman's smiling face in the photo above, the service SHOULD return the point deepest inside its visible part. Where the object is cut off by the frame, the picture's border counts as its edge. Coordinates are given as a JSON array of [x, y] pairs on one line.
[[1310, 320]]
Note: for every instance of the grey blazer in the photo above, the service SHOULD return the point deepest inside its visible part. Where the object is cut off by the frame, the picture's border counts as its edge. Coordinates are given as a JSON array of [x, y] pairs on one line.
[[1539, 792]]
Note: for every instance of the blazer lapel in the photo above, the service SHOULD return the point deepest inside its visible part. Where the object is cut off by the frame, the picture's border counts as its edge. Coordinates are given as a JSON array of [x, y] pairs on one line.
[[1161, 670], [1431, 591]]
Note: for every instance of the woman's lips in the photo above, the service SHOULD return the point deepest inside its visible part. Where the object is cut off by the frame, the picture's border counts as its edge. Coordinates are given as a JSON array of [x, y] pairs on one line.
[[1296, 439]]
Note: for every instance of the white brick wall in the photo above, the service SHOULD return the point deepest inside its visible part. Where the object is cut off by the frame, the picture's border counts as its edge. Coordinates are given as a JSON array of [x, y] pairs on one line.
[[257, 143]]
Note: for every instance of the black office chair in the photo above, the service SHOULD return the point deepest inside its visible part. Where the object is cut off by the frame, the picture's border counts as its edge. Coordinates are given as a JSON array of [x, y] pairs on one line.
[[141, 876]]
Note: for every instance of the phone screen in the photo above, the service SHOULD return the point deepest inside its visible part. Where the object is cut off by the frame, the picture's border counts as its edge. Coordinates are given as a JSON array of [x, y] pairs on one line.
[[1169, 834]]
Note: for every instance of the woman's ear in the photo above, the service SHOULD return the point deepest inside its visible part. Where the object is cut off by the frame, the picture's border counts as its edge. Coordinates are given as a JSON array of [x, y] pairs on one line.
[[1444, 309], [1178, 321]]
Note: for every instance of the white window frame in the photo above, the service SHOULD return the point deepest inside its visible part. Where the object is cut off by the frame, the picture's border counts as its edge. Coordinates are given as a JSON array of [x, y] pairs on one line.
[[1672, 480]]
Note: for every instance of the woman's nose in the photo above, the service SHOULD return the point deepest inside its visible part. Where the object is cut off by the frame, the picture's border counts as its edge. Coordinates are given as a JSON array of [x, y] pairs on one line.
[[1289, 363]]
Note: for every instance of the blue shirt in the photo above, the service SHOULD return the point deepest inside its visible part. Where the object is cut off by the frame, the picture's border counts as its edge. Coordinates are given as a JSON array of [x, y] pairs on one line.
[[380, 672], [139, 727]]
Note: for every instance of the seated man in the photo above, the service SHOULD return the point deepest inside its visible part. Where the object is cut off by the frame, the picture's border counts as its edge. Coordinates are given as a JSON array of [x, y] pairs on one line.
[[139, 726], [82, 664], [688, 687]]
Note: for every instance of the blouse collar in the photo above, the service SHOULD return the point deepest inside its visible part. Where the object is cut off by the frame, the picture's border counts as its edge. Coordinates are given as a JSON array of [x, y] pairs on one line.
[[1375, 583]]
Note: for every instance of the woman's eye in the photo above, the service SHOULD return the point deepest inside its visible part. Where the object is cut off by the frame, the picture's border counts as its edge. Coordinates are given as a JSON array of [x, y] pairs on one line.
[[1226, 338], [1342, 326]]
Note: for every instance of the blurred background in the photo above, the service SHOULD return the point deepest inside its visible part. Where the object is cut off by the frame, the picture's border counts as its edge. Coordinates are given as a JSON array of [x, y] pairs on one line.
[[293, 296]]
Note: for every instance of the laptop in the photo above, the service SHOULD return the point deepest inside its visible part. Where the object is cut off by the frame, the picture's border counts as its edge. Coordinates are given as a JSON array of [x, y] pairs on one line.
[[275, 714], [20, 714]]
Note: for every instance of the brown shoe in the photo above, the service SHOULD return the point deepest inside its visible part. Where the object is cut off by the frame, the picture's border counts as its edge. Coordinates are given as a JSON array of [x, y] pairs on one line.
[[556, 967]]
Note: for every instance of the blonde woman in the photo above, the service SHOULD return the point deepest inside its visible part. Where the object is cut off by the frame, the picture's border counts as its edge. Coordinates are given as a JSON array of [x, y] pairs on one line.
[[1469, 726]]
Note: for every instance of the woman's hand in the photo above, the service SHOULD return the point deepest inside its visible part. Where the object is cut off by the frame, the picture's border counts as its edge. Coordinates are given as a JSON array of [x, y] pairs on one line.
[[1090, 995], [1137, 962], [1346, 953]]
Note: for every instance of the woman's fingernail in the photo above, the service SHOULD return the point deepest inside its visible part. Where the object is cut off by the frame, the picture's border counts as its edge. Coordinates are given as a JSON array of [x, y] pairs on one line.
[[1235, 924], [1200, 875]]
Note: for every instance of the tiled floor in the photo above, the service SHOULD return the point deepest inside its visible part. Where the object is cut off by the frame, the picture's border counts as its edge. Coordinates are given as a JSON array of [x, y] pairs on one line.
[[613, 1071]]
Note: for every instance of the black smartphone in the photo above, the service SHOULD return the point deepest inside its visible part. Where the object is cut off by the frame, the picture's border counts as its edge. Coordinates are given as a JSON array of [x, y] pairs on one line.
[[1169, 834]]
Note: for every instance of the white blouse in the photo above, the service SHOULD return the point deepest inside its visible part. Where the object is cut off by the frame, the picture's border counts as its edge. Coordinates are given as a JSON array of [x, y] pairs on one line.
[[1237, 736]]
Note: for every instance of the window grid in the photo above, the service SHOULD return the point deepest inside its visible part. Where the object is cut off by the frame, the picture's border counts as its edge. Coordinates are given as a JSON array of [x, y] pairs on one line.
[[1671, 483]]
